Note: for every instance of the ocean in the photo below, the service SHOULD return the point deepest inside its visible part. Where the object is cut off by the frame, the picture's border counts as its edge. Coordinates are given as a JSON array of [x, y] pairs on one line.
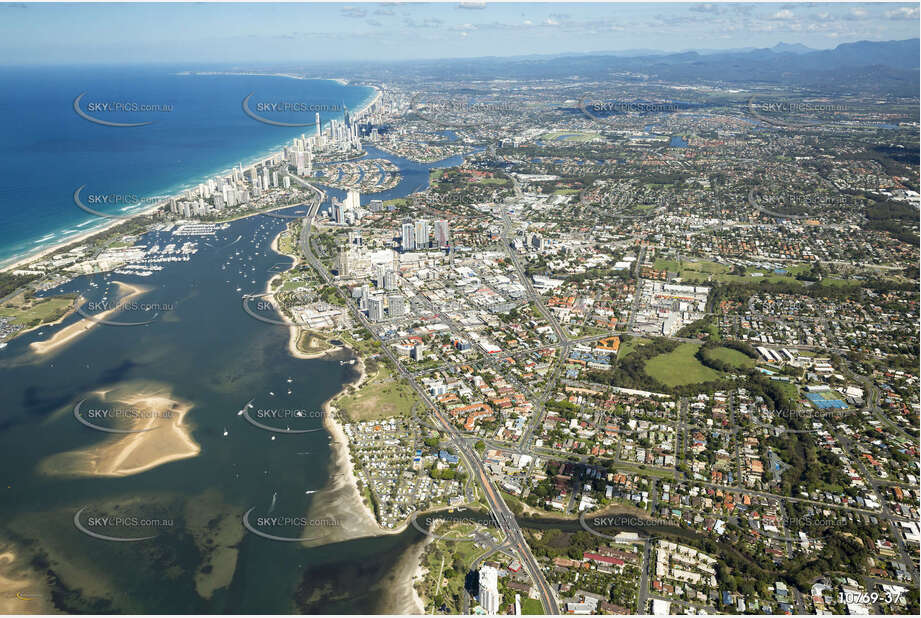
[[199, 130]]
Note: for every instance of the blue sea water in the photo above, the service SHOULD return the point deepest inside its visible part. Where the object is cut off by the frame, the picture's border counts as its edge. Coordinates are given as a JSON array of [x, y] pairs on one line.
[[47, 150]]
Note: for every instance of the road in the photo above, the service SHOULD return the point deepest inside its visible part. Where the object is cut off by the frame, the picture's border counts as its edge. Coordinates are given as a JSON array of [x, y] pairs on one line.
[[564, 344], [642, 594], [500, 511]]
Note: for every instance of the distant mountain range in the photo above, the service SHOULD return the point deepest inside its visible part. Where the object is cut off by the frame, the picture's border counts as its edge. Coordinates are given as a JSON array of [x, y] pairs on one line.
[[866, 67], [793, 48]]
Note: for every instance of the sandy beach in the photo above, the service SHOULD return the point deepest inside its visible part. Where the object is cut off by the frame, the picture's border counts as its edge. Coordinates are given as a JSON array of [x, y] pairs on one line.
[[69, 333], [167, 439], [341, 499], [403, 597], [419, 572]]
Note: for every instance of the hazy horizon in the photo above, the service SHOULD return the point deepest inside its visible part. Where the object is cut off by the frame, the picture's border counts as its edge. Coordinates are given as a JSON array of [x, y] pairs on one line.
[[210, 33]]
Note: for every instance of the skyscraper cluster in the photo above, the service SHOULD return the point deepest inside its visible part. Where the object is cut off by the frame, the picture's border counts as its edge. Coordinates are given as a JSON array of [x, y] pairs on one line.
[[414, 236], [349, 210], [239, 187]]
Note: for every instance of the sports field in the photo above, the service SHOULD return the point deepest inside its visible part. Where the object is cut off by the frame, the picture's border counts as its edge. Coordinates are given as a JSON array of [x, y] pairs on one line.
[[730, 356], [680, 367]]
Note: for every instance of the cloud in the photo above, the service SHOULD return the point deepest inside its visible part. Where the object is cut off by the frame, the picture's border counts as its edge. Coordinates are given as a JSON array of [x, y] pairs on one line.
[[783, 15], [354, 11], [428, 22], [904, 12], [374, 22], [706, 8], [472, 5]]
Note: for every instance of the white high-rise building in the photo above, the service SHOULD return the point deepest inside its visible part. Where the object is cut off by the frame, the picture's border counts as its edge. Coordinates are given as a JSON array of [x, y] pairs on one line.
[[422, 233], [390, 280], [380, 274], [396, 306], [352, 200], [375, 309], [489, 590], [300, 162], [407, 238]]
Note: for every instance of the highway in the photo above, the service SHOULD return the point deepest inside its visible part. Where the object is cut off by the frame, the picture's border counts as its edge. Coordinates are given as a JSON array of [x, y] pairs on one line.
[[563, 342], [500, 511]]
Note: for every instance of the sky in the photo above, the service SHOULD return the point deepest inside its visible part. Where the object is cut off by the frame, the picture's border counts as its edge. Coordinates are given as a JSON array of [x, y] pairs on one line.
[[317, 33]]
